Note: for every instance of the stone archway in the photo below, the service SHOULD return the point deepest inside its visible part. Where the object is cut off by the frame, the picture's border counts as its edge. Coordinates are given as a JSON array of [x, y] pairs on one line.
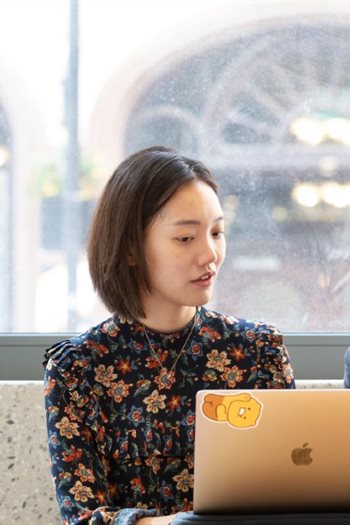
[[236, 104]]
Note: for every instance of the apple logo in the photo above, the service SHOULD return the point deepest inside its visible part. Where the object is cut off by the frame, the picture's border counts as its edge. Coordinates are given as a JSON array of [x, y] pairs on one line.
[[301, 456]]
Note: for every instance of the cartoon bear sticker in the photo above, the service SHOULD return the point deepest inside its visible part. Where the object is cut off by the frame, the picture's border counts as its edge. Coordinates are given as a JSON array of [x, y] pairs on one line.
[[242, 410]]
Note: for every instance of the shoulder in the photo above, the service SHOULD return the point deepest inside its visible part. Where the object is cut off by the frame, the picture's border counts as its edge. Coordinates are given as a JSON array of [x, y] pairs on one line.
[[230, 327], [84, 349]]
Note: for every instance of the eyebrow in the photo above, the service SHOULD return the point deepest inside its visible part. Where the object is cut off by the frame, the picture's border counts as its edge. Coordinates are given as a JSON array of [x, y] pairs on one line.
[[186, 222]]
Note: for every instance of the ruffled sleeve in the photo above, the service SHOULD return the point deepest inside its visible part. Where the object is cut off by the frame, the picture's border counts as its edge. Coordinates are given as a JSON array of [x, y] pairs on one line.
[[274, 369], [78, 450]]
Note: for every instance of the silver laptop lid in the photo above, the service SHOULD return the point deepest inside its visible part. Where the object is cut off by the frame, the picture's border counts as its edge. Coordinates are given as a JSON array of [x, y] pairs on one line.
[[272, 450]]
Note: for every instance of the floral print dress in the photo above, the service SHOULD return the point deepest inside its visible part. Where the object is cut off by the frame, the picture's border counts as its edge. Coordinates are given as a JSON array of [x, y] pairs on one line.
[[121, 421]]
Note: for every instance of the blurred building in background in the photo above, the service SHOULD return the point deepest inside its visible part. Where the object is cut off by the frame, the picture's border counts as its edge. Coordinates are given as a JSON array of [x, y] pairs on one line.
[[259, 91]]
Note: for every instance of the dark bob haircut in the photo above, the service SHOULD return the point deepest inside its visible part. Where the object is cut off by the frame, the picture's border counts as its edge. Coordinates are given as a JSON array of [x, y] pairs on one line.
[[134, 195]]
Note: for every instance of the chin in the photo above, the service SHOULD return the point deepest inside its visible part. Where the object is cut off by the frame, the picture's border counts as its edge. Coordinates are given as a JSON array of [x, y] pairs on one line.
[[202, 301]]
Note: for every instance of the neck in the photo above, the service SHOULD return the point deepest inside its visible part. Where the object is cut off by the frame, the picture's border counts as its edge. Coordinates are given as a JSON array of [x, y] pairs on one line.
[[161, 320]]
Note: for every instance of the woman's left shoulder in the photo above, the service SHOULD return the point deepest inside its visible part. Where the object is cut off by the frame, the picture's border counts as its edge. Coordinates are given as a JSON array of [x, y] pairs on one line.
[[240, 327]]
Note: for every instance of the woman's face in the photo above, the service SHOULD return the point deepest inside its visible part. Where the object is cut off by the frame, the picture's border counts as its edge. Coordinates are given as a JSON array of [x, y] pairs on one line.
[[185, 247]]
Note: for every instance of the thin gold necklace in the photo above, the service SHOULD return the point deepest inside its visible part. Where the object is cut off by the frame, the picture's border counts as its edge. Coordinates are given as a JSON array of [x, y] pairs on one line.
[[163, 370]]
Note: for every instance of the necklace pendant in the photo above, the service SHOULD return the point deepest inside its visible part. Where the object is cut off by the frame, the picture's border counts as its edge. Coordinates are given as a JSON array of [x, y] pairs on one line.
[[166, 377]]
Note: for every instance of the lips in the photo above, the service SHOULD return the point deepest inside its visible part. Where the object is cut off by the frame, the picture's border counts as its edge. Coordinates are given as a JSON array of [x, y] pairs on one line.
[[204, 277]]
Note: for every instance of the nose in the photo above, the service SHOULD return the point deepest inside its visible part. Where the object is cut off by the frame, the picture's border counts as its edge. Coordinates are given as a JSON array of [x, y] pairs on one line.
[[209, 252]]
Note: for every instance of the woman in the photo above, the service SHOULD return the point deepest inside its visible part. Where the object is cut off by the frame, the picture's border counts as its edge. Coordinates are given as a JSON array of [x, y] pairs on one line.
[[120, 397]]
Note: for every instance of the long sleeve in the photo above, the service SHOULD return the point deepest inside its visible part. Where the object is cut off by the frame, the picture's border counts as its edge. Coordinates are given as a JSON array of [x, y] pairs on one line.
[[121, 430], [77, 443], [274, 369]]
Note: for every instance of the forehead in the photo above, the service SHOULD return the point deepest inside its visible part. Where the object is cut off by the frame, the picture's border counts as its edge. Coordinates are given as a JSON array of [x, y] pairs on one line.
[[191, 201]]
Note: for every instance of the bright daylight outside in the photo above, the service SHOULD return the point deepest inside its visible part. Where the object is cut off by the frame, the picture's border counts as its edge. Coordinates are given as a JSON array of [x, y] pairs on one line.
[[261, 95]]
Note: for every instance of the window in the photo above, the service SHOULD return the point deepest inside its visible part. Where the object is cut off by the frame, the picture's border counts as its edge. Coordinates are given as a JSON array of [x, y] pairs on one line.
[[5, 216], [261, 97]]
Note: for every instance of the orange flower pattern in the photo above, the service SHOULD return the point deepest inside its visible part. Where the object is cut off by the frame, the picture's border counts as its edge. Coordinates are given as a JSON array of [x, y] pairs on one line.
[[121, 428], [80, 492]]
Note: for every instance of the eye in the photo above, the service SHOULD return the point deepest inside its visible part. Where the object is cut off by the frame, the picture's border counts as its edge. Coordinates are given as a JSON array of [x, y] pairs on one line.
[[186, 239], [218, 234]]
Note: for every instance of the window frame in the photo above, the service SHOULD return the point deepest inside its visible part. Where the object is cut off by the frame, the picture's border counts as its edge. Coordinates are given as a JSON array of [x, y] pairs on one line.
[[313, 355]]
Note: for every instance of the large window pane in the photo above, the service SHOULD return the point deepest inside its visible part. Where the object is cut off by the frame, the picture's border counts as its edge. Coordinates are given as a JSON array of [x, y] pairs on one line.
[[259, 91]]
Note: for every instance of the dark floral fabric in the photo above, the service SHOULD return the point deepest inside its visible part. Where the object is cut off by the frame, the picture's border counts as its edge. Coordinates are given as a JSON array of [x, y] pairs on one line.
[[121, 427]]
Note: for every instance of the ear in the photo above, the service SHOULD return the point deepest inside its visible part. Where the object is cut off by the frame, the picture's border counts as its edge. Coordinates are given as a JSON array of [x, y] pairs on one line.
[[131, 257]]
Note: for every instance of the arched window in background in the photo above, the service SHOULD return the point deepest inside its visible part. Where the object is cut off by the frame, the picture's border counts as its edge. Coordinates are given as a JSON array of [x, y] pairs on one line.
[[269, 112], [257, 90]]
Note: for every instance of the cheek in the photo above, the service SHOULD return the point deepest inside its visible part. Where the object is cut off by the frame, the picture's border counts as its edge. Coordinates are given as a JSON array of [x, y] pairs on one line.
[[162, 262], [154, 253], [171, 269]]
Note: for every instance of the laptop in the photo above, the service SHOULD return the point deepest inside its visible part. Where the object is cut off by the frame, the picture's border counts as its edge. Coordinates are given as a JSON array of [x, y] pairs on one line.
[[272, 451]]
